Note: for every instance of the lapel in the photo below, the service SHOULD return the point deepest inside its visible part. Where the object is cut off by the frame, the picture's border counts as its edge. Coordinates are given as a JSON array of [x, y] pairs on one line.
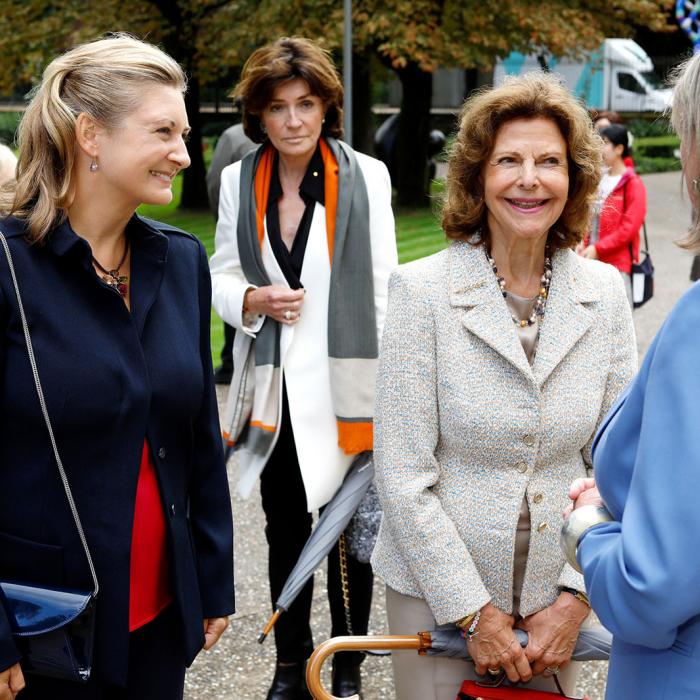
[[566, 318], [473, 287], [149, 254]]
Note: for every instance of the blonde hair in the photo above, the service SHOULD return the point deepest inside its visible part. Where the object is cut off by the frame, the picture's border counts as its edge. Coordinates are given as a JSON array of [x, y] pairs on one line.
[[8, 165], [103, 79], [279, 62], [530, 96], [685, 118]]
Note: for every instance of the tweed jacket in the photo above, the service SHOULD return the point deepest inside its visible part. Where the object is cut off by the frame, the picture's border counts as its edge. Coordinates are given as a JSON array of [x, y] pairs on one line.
[[465, 427]]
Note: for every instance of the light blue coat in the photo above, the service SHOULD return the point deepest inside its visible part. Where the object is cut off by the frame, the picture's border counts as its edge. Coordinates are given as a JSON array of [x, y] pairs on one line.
[[642, 572]]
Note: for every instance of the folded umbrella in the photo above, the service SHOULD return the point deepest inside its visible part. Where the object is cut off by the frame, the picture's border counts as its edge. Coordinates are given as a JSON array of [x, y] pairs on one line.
[[333, 521], [593, 644]]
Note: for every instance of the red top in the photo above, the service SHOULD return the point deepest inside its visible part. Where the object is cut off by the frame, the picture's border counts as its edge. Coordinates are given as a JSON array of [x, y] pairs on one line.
[[150, 572], [622, 216]]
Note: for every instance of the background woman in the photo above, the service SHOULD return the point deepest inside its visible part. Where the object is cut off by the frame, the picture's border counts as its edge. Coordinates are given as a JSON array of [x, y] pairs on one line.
[[304, 247], [642, 569], [119, 310], [623, 208], [487, 399]]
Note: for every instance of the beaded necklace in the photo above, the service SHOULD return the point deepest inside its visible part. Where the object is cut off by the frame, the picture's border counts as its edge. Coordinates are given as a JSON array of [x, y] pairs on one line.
[[112, 277], [540, 301]]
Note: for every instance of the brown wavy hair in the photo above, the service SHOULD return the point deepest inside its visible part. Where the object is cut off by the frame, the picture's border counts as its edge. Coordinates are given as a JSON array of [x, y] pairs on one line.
[[530, 96], [279, 62]]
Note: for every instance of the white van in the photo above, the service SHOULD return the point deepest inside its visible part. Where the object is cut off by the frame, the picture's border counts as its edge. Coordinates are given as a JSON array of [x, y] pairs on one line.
[[618, 76]]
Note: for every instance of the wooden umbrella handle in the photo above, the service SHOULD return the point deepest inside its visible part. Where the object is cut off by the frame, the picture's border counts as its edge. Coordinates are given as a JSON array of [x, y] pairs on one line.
[[417, 642]]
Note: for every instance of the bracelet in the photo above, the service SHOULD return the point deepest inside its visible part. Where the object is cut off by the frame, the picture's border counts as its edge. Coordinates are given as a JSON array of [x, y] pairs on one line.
[[576, 525], [468, 624], [577, 594]]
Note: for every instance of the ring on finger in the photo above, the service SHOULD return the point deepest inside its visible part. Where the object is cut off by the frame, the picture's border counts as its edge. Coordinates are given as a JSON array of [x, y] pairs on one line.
[[552, 669], [288, 315], [493, 671]]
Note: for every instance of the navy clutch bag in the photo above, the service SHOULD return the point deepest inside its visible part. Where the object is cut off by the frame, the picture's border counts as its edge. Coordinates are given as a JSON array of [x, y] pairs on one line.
[[53, 629]]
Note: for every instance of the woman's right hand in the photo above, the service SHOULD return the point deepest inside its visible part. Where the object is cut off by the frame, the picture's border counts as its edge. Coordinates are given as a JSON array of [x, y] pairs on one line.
[[496, 646], [11, 682], [281, 303]]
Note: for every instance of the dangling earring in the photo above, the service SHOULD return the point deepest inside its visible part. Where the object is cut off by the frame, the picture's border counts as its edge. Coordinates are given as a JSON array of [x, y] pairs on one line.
[[262, 128], [94, 167], [323, 121]]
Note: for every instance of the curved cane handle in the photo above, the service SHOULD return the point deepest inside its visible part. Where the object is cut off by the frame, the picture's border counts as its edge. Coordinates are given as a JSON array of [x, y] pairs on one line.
[[417, 642]]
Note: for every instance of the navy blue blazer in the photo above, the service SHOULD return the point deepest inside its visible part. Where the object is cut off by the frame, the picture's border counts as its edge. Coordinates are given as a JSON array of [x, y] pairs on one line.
[[642, 571], [112, 378]]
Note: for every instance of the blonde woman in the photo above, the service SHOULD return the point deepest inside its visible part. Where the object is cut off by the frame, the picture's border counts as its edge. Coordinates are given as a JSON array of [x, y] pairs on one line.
[[118, 308]]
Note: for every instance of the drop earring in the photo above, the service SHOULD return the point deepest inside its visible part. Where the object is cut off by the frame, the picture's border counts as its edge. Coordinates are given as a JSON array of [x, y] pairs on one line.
[[262, 128], [94, 167]]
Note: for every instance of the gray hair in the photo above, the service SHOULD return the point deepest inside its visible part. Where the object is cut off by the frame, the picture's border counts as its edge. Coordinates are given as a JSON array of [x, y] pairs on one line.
[[685, 117]]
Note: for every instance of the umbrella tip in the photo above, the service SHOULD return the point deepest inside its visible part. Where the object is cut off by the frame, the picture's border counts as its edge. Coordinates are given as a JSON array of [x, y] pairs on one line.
[[270, 624], [262, 637]]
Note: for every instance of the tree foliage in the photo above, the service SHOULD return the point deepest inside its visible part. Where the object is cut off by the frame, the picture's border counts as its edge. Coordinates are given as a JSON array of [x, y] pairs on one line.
[[209, 37]]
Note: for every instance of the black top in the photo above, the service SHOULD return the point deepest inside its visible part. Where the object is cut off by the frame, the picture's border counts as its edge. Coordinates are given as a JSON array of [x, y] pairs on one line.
[[311, 190]]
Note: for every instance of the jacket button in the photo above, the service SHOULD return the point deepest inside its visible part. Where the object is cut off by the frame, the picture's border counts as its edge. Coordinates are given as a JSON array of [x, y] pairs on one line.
[[522, 467], [529, 440], [162, 452], [538, 498], [541, 527], [172, 509]]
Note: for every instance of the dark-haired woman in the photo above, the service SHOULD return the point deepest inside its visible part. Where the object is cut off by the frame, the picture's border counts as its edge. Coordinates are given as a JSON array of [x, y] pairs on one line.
[[615, 236], [304, 247]]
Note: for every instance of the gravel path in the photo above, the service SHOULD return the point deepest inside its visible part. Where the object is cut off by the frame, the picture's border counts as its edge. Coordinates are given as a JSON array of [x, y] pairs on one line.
[[240, 669]]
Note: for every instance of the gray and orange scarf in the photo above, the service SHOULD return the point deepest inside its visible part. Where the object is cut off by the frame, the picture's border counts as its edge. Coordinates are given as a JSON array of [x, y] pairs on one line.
[[352, 327]]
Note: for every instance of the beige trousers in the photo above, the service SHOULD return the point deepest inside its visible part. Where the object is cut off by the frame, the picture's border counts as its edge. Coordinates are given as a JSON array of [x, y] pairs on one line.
[[438, 678]]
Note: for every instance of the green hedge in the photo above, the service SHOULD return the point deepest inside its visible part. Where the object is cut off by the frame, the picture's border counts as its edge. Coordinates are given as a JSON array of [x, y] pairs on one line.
[[8, 126]]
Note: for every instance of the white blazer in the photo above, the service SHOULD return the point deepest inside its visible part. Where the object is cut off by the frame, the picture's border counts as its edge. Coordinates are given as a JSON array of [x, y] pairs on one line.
[[304, 346]]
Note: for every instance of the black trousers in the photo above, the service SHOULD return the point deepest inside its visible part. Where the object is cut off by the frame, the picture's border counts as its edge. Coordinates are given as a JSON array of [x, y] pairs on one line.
[[156, 669], [288, 528], [227, 349]]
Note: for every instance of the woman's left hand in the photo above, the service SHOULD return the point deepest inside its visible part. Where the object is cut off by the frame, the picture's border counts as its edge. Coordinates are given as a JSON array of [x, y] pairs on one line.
[[583, 492], [552, 634], [213, 629]]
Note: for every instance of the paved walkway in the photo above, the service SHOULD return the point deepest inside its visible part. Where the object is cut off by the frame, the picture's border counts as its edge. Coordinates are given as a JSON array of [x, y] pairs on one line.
[[240, 669]]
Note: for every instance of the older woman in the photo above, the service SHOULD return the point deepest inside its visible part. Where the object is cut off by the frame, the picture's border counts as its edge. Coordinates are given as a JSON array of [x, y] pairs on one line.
[[118, 309], [488, 397], [304, 247], [642, 569]]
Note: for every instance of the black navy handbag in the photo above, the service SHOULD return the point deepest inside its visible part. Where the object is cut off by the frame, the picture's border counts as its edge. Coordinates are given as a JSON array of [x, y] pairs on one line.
[[52, 628]]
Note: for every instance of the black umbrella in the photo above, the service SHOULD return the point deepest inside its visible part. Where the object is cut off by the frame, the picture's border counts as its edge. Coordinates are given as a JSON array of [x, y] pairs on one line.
[[333, 521]]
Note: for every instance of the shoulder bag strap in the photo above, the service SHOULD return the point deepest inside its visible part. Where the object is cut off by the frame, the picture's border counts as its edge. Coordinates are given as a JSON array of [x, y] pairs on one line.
[[42, 403]]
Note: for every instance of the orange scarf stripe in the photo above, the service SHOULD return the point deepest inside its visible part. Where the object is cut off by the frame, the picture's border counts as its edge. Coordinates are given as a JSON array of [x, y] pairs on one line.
[[330, 169], [263, 175], [354, 438]]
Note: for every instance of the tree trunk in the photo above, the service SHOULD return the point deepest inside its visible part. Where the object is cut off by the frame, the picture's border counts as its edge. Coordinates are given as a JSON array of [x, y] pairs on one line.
[[412, 137], [194, 186], [362, 132]]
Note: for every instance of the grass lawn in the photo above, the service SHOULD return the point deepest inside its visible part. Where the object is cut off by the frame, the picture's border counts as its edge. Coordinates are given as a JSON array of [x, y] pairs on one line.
[[418, 234]]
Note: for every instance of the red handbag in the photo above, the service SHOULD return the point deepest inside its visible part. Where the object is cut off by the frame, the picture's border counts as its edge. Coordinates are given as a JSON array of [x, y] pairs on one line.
[[471, 690]]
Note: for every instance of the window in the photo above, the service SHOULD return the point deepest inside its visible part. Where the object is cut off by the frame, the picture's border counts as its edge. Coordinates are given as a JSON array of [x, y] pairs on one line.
[[626, 81]]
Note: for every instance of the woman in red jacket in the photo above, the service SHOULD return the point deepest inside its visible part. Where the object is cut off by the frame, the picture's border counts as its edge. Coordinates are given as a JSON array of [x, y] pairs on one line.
[[615, 235]]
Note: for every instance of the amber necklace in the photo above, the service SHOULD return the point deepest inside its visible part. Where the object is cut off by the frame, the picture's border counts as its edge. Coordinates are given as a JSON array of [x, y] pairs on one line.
[[112, 277]]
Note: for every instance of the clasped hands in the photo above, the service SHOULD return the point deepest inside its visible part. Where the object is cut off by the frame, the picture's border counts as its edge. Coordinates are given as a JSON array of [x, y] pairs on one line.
[[552, 634]]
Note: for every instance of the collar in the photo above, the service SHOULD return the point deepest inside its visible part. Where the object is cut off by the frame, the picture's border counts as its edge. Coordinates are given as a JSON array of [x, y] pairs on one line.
[[472, 281], [312, 184]]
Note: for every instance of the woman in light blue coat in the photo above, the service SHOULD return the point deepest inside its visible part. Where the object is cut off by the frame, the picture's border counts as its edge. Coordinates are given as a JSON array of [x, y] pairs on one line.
[[642, 569]]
